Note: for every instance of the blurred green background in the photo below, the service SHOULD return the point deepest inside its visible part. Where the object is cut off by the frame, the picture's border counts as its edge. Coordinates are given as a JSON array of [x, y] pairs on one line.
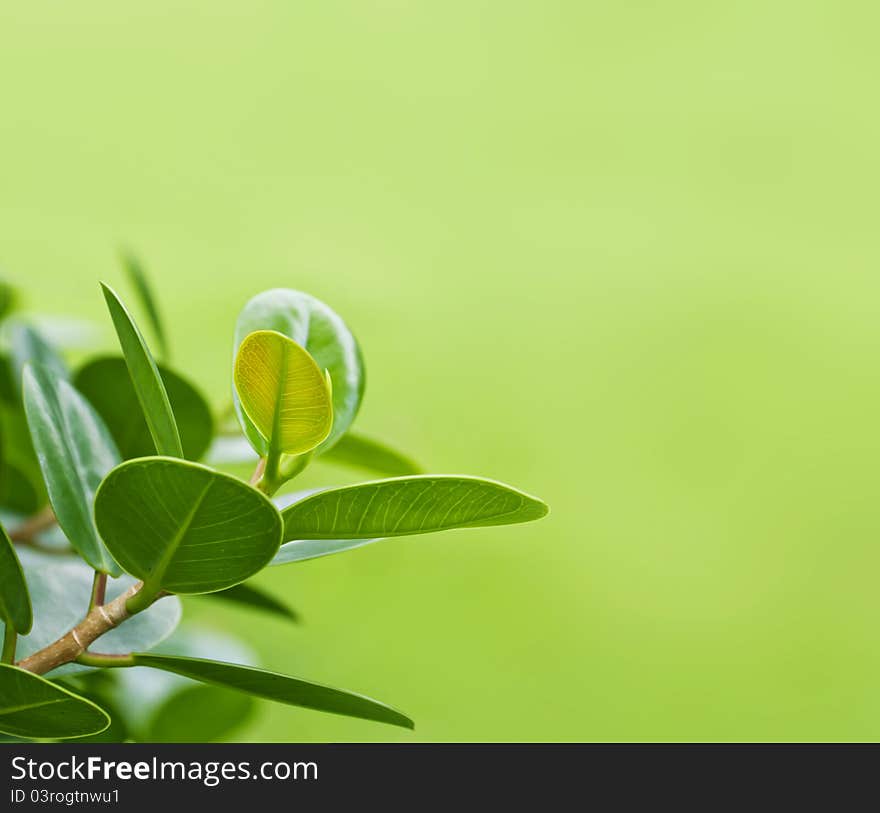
[[622, 255]]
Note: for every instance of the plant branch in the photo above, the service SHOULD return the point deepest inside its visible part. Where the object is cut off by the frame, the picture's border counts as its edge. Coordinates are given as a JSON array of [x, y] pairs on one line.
[[258, 471], [10, 637], [99, 590]]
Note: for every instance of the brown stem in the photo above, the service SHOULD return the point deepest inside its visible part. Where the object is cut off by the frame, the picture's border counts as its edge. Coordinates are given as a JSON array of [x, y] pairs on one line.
[[72, 644], [38, 523], [258, 471], [99, 590]]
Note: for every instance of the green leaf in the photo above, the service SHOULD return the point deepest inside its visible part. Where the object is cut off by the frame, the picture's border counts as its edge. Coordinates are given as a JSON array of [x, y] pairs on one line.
[[321, 331], [283, 392], [29, 346], [145, 378], [31, 706], [200, 714], [7, 299], [280, 688], [401, 506], [366, 453], [60, 587], [250, 596], [107, 385], [141, 285], [15, 601], [75, 451], [17, 492], [183, 527]]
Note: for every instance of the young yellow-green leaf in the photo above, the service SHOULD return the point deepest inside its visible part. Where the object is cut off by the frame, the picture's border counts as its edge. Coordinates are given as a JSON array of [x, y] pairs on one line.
[[255, 598], [361, 452], [283, 392], [401, 506], [31, 706], [145, 378], [322, 332], [183, 527], [273, 686], [15, 601], [75, 451], [141, 284], [107, 385], [30, 347]]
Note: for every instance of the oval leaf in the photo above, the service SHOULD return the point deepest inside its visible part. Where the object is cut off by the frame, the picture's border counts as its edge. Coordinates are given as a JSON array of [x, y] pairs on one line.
[[283, 392], [75, 451], [365, 453], [142, 288], [107, 385], [280, 688], [145, 378], [401, 506], [183, 527], [31, 706], [60, 588], [15, 601], [321, 331]]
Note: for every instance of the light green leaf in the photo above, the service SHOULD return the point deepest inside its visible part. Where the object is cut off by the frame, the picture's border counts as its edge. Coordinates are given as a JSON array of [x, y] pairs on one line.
[[29, 346], [145, 378], [280, 688], [15, 601], [183, 527], [249, 596], [60, 587], [321, 331], [107, 385], [141, 285], [75, 451], [401, 506], [284, 393], [366, 453], [231, 450], [31, 706]]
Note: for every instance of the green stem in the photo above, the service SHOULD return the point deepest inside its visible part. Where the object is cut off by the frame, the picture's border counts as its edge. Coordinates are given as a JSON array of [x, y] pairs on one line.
[[99, 590], [9, 640], [105, 661], [141, 600]]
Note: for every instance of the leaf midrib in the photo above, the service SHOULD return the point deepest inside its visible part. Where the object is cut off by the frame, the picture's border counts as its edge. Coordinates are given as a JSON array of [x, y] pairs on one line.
[[6, 710]]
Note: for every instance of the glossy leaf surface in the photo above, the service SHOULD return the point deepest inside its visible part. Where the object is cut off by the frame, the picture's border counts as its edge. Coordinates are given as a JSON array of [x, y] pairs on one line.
[[75, 451], [408, 505], [141, 284], [145, 378], [320, 330], [366, 453], [183, 527], [15, 601], [31, 706], [283, 392]]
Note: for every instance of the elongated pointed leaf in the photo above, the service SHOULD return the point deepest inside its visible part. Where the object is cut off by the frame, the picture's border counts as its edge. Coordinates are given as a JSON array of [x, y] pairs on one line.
[[145, 378], [372, 455], [30, 346], [321, 331], [280, 688], [107, 385], [283, 392], [183, 527], [300, 550], [249, 596], [141, 285], [401, 506], [31, 706], [60, 587], [75, 451], [15, 601]]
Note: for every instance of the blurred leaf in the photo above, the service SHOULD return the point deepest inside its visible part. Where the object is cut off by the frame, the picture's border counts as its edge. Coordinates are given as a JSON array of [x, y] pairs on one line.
[[283, 392], [145, 378], [321, 331], [17, 492], [67, 332], [29, 346], [60, 587], [200, 714], [183, 527], [107, 385], [365, 453], [401, 506], [75, 451], [31, 706], [15, 602], [7, 299], [256, 598], [280, 688], [141, 284], [8, 387], [235, 449]]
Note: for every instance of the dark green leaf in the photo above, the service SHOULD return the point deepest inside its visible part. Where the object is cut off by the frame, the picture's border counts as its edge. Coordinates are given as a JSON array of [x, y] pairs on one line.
[[401, 506], [29, 346], [281, 688], [75, 451], [7, 299], [145, 378], [183, 527], [200, 714], [256, 598], [107, 385], [317, 328], [17, 491], [31, 706], [15, 601], [141, 284], [365, 453]]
